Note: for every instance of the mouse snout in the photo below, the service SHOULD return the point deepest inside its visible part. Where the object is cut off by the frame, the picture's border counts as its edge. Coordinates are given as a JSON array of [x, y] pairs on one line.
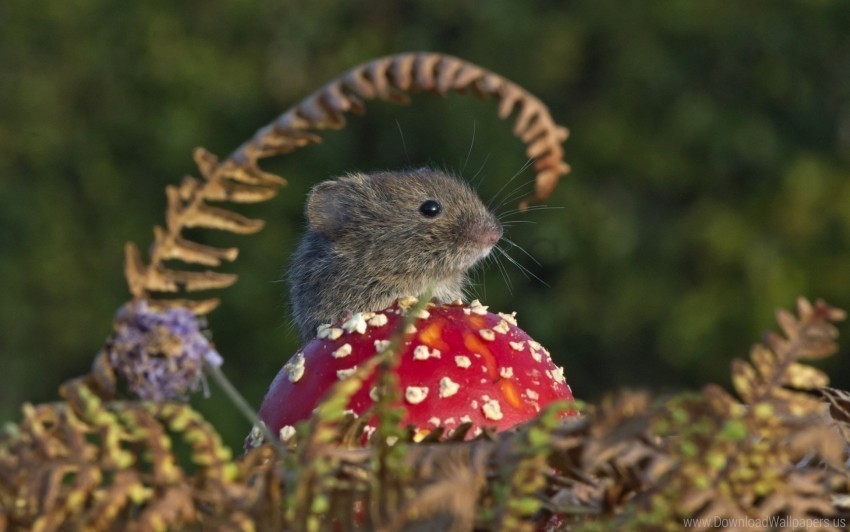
[[490, 235]]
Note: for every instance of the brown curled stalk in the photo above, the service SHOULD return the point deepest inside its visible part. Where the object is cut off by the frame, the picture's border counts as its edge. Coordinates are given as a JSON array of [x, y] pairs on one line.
[[239, 178]]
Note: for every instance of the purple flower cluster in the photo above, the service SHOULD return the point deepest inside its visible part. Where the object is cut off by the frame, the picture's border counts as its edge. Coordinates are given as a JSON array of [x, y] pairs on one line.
[[160, 353]]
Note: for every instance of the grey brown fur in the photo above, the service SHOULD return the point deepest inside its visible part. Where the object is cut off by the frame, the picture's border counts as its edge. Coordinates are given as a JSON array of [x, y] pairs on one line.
[[367, 244]]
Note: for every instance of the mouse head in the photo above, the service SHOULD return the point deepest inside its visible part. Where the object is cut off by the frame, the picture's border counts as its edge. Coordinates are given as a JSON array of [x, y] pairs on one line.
[[408, 220]]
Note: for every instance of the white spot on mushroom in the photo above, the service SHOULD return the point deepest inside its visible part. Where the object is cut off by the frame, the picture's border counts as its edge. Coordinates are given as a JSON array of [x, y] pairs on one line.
[[506, 372], [457, 302], [343, 351], [483, 381], [422, 314], [448, 387], [368, 430], [380, 345], [502, 327], [355, 323], [449, 421], [467, 311], [350, 412], [474, 403], [407, 302], [558, 374], [532, 394], [434, 421], [295, 367], [492, 410], [487, 334], [465, 419], [410, 329], [517, 346], [421, 352], [323, 330], [392, 440], [510, 318], [535, 344], [286, 433], [462, 361], [367, 315], [415, 394], [476, 432], [334, 333], [536, 355], [373, 393], [478, 308], [345, 373], [378, 320]]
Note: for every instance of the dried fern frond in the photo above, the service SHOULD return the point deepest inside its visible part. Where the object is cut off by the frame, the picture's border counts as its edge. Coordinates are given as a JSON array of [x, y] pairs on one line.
[[630, 463], [240, 179], [774, 375], [389, 78], [774, 456]]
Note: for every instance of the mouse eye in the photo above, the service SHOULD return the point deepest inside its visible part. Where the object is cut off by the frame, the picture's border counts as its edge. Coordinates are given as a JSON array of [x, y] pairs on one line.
[[430, 208]]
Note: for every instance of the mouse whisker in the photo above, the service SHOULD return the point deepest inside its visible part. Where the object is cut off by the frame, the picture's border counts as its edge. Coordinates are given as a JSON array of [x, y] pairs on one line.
[[469, 152], [473, 279], [525, 271], [533, 208], [514, 244], [515, 193], [403, 143], [504, 272], [510, 223], [517, 174], [476, 175]]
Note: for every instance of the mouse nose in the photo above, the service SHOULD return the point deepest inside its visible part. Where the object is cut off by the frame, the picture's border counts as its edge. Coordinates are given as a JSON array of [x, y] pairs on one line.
[[491, 235]]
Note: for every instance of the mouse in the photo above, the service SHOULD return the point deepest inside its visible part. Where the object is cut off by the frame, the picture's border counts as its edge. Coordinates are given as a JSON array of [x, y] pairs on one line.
[[372, 238]]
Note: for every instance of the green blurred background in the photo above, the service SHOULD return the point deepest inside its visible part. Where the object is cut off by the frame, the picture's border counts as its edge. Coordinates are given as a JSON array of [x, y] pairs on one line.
[[710, 150]]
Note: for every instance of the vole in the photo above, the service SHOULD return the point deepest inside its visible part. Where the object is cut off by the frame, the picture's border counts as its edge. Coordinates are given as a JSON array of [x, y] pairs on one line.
[[372, 238]]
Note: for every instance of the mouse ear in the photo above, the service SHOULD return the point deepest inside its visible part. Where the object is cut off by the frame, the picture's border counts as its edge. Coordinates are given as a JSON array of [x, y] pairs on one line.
[[324, 208]]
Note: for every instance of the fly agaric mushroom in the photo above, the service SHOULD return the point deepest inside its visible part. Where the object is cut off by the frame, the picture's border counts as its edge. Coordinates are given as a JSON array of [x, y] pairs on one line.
[[458, 364]]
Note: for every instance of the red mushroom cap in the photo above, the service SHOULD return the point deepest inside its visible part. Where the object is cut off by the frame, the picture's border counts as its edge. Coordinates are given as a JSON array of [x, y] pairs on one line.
[[461, 364]]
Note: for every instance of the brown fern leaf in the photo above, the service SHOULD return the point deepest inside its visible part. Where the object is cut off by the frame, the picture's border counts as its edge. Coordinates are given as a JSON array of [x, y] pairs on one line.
[[777, 456], [839, 409], [774, 376], [192, 252], [94, 465]]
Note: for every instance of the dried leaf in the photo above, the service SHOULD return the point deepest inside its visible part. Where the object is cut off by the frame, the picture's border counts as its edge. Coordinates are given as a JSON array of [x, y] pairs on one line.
[[191, 252], [804, 377], [215, 218]]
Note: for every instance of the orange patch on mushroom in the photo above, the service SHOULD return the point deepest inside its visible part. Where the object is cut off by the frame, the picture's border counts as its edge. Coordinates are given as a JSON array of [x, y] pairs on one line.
[[432, 336], [510, 393], [476, 345], [477, 320]]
